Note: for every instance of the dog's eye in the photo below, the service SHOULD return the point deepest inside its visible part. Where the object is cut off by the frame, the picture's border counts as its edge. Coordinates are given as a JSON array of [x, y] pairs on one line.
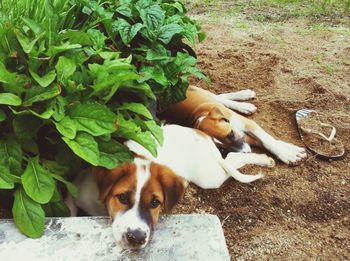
[[225, 120], [155, 203], [123, 198]]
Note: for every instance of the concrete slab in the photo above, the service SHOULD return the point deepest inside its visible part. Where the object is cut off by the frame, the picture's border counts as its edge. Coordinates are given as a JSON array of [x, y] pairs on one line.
[[176, 238]]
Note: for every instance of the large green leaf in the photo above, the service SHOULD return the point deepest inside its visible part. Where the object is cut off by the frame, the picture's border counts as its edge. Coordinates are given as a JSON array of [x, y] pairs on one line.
[[176, 5], [143, 90], [85, 147], [28, 215], [6, 181], [136, 108], [98, 38], [158, 53], [155, 73], [11, 155], [59, 108], [26, 43], [184, 60], [129, 129], [53, 50], [44, 80], [126, 30], [10, 99], [168, 31], [113, 154], [153, 17], [65, 67], [34, 26], [37, 94], [143, 4], [108, 86], [156, 130], [67, 127], [5, 75], [190, 32], [125, 10], [78, 37], [93, 118], [37, 182]]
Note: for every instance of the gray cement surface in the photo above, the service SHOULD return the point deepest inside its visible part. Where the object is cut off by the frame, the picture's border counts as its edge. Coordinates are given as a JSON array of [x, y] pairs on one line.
[[176, 238]]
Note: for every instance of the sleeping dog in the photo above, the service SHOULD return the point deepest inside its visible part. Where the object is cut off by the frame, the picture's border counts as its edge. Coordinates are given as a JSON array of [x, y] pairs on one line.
[[134, 193], [213, 115]]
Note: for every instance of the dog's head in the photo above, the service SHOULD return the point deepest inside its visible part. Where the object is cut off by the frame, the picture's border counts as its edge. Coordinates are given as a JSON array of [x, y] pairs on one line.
[[216, 125], [134, 194]]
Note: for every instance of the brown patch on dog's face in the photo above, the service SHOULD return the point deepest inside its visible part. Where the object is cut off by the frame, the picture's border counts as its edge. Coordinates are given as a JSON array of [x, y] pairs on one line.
[[164, 188], [117, 187]]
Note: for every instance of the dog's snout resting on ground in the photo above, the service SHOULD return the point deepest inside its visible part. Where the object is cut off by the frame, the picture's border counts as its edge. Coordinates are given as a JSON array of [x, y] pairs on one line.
[[134, 193], [213, 115]]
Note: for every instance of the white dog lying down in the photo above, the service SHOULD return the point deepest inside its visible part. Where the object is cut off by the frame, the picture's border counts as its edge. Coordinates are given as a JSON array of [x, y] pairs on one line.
[[133, 193]]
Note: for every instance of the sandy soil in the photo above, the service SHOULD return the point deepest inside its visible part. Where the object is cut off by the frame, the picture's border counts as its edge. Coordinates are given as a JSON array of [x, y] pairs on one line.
[[295, 213]]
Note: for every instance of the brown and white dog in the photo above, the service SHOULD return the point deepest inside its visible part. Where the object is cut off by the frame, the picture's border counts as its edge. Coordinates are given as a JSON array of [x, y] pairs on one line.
[[213, 115], [133, 194]]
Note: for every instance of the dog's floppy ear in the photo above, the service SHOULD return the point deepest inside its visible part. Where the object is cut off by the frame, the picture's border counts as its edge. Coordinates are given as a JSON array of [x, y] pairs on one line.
[[215, 113], [105, 179], [173, 187]]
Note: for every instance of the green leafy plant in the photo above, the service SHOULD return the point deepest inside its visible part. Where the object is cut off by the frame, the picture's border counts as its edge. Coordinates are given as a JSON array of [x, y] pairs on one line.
[[76, 79], [159, 36]]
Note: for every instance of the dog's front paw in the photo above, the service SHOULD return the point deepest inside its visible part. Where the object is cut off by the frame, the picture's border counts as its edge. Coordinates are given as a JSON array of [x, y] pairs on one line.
[[289, 153], [264, 160], [246, 95], [270, 162], [246, 108]]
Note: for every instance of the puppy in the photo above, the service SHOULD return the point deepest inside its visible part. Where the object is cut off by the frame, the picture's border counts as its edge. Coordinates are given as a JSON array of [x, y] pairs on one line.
[[132, 194], [210, 113]]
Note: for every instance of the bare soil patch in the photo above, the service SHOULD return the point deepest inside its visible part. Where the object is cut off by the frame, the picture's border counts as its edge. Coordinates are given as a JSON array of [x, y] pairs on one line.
[[295, 213]]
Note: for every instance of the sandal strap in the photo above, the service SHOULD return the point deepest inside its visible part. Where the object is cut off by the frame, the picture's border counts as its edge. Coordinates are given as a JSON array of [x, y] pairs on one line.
[[329, 138]]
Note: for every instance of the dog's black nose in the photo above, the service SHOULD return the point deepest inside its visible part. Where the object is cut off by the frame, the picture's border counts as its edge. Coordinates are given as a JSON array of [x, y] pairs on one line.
[[136, 236]]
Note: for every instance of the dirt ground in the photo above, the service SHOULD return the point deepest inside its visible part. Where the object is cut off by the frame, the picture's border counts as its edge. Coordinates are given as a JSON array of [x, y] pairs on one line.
[[294, 213]]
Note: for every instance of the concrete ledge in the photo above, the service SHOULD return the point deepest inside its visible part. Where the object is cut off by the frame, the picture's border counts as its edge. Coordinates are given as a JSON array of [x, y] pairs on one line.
[[176, 238]]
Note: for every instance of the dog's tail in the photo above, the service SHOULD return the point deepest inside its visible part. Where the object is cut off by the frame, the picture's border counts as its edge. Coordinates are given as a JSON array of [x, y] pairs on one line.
[[238, 175]]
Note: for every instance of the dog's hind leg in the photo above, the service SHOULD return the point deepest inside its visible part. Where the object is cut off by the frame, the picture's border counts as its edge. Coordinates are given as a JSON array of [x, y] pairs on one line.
[[231, 164], [238, 96], [242, 107], [238, 160]]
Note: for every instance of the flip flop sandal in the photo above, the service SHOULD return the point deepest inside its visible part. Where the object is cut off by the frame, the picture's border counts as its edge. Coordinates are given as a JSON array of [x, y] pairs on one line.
[[318, 137]]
